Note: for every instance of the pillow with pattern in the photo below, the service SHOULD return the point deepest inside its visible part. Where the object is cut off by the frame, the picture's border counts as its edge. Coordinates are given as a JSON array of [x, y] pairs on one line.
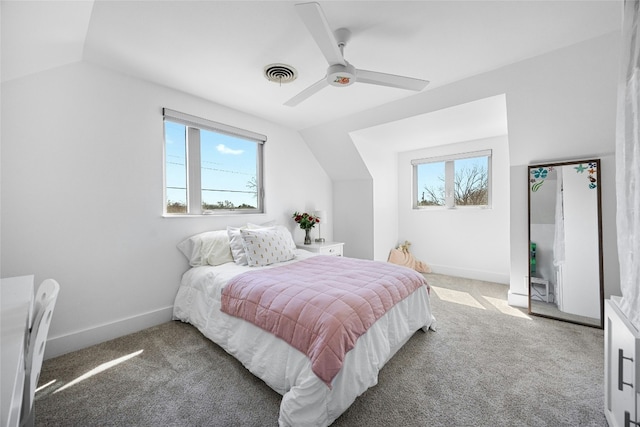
[[266, 246], [236, 244], [272, 224]]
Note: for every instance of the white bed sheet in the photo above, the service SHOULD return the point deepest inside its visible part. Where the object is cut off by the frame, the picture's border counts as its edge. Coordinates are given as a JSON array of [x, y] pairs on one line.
[[306, 401]]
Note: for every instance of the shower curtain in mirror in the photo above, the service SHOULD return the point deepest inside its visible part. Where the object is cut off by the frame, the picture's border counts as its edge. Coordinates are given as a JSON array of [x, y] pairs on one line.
[[628, 165], [558, 239]]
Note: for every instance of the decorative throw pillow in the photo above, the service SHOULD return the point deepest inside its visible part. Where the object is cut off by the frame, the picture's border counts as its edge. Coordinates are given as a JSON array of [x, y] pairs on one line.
[[266, 246], [235, 241], [272, 224], [208, 248]]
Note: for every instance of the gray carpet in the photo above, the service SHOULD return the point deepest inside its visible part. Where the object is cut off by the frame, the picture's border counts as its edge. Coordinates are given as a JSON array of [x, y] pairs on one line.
[[487, 365]]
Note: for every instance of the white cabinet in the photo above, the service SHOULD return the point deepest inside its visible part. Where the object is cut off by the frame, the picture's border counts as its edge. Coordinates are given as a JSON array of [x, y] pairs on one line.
[[621, 369], [16, 311], [325, 248]]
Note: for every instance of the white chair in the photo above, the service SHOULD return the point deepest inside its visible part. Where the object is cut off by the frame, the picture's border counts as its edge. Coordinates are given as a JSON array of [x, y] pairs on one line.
[[43, 311]]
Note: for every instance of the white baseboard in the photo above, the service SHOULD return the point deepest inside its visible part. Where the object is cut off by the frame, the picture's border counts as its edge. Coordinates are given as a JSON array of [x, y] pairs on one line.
[[487, 276], [517, 300], [57, 346]]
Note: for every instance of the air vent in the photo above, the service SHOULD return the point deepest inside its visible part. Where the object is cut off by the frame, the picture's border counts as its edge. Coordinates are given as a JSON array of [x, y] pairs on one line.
[[280, 73]]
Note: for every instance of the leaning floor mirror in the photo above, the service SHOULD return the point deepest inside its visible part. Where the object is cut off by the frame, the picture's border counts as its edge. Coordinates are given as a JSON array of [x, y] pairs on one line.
[[565, 242]]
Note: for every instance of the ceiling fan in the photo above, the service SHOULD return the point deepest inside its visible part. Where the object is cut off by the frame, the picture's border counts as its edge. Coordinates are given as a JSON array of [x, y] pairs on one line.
[[340, 72]]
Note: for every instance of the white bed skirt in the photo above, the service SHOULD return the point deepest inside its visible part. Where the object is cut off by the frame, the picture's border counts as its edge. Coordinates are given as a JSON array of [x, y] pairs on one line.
[[306, 401]]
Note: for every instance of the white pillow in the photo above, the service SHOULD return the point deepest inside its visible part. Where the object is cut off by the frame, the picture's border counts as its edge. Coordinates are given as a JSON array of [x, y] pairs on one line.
[[235, 243], [208, 248], [266, 246], [252, 226]]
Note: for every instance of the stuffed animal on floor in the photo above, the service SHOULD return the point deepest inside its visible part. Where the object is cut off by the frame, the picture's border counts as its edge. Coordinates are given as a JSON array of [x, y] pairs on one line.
[[402, 256]]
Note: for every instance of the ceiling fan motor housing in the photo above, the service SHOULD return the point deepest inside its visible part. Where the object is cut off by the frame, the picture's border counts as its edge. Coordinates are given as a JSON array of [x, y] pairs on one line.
[[341, 75]]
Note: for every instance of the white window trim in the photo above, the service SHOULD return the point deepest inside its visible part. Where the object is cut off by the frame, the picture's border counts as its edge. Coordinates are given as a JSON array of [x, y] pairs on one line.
[[198, 122], [450, 178], [194, 190]]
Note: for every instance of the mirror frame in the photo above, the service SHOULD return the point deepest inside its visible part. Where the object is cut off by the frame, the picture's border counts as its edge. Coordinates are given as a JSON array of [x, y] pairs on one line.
[[600, 255]]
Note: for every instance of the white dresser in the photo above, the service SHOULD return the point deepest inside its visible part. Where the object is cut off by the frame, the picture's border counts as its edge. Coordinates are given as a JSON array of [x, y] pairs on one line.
[[324, 248], [621, 368]]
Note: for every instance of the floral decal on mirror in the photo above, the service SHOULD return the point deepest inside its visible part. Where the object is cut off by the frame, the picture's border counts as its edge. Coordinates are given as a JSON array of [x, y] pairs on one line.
[[592, 173], [538, 176]]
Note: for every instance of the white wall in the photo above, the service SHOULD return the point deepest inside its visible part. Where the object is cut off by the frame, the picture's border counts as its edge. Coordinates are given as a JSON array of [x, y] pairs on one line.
[[464, 242], [560, 106], [383, 167], [354, 219], [82, 197]]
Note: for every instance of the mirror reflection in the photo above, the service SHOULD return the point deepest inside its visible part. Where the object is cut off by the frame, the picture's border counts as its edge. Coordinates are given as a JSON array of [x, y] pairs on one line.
[[565, 280]]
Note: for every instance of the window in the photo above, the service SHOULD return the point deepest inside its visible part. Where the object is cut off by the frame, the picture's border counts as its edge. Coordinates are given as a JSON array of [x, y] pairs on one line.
[[211, 167], [451, 181]]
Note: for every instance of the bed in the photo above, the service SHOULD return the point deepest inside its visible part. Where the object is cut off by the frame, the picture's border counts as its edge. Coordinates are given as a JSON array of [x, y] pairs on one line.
[[217, 265]]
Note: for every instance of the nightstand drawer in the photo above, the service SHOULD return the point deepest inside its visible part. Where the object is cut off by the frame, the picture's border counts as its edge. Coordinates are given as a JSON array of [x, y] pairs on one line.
[[326, 248], [335, 250]]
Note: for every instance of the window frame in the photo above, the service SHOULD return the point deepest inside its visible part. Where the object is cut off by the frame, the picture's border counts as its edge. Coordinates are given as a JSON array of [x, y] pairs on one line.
[[449, 184], [193, 126]]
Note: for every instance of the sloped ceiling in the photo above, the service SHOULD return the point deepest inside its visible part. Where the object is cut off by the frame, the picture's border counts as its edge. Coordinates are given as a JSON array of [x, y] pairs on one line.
[[483, 118], [217, 49], [39, 35]]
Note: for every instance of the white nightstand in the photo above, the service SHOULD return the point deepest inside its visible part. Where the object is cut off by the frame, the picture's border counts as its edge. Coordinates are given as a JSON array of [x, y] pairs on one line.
[[326, 248]]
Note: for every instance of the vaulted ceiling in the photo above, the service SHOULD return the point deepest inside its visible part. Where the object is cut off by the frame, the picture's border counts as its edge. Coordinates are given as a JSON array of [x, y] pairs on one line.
[[217, 50]]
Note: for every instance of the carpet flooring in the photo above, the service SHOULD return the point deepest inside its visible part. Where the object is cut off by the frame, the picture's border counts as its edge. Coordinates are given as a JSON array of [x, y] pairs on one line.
[[487, 364]]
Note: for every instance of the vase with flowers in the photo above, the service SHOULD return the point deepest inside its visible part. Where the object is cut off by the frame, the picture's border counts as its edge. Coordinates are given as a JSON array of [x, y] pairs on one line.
[[306, 222]]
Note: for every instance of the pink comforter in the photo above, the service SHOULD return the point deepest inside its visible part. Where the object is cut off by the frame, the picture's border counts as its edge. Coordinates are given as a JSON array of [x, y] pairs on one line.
[[320, 305]]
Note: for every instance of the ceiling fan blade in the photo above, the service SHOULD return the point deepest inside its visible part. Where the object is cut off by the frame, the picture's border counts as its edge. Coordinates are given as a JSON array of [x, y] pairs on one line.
[[391, 80], [317, 24], [307, 92]]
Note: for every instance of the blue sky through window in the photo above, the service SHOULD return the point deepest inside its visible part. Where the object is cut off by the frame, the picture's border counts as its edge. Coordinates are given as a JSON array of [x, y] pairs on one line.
[[228, 167], [430, 175]]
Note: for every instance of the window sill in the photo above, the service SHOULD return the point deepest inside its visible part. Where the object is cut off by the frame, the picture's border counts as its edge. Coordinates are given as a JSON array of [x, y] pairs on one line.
[[212, 214], [452, 208]]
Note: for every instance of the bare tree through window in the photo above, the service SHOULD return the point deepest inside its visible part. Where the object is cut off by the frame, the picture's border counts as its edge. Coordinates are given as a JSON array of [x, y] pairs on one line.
[[470, 186]]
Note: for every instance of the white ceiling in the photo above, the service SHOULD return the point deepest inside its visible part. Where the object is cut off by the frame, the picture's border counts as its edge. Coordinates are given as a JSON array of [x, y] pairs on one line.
[[483, 118], [217, 49]]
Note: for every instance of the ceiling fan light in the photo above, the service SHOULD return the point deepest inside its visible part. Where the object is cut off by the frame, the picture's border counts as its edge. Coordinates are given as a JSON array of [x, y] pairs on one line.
[[341, 75]]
